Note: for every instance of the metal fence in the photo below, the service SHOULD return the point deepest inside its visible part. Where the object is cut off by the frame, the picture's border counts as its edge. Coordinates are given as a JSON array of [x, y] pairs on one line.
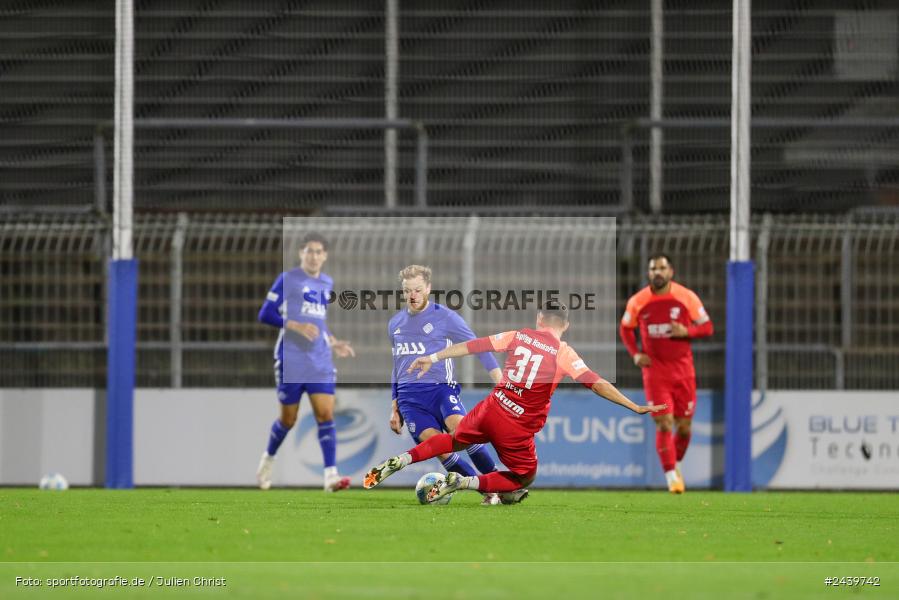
[[827, 308]]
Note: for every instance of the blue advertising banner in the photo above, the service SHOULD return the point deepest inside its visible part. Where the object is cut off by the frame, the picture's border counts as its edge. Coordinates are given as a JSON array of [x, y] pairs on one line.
[[589, 442]]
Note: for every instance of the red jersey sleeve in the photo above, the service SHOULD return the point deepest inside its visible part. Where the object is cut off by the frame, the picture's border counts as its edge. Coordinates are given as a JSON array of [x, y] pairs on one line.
[[572, 365], [629, 318], [635, 304], [688, 298], [629, 338], [495, 343]]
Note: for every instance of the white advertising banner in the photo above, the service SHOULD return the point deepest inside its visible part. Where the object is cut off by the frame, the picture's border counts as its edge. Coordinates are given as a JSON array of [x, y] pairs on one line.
[[44, 431], [826, 439], [216, 437]]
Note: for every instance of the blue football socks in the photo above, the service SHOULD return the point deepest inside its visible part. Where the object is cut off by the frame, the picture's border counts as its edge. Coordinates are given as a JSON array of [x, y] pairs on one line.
[[279, 432], [455, 463], [327, 439], [481, 458]]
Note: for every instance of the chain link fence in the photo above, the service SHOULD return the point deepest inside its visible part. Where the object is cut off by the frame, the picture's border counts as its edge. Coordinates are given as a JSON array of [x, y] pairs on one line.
[[827, 309]]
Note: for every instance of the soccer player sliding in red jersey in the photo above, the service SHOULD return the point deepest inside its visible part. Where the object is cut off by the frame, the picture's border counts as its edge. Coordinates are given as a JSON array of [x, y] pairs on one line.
[[668, 316], [516, 409]]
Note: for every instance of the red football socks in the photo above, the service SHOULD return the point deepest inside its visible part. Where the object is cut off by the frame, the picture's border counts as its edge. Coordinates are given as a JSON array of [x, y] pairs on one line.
[[665, 448], [442, 443], [498, 481], [680, 443]]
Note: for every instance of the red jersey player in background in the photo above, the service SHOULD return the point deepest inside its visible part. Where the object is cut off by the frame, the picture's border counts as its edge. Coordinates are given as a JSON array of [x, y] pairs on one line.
[[669, 316], [514, 411]]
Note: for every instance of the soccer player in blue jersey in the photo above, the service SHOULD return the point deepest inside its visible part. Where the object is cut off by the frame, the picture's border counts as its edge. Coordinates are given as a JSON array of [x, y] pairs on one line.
[[297, 305], [432, 404]]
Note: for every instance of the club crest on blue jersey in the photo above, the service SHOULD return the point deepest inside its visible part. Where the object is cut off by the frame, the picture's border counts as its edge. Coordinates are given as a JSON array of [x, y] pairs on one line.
[[428, 328]]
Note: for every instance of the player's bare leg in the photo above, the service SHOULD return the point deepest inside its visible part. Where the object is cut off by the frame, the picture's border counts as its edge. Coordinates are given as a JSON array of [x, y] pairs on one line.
[[288, 419], [667, 452], [289, 414], [323, 409]]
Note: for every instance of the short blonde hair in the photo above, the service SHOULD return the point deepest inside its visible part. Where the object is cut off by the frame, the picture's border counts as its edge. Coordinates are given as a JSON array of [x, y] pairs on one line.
[[413, 271]]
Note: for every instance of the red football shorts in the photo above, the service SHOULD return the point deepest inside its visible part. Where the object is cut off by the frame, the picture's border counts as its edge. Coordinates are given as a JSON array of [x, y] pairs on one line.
[[514, 446], [679, 395]]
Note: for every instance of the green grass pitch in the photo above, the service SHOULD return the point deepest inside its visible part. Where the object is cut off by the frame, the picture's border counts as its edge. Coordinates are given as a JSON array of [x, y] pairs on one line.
[[383, 544]]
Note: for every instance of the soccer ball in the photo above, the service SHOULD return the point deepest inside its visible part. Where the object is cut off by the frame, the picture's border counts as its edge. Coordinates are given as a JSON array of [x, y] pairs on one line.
[[424, 485], [54, 481]]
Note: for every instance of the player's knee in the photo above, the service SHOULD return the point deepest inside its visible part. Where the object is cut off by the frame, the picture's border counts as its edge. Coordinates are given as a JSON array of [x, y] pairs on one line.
[[451, 424], [664, 425], [425, 434], [288, 421], [683, 429], [527, 479]]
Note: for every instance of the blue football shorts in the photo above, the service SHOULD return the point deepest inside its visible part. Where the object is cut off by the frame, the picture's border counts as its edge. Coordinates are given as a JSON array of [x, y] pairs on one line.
[[428, 406]]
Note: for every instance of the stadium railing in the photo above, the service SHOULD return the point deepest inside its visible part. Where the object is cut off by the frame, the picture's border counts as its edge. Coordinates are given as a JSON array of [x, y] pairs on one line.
[[827, 314]]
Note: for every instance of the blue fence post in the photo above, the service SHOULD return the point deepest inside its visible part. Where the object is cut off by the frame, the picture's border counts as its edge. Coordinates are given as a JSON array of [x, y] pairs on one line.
[[120, 374], [738, 377]]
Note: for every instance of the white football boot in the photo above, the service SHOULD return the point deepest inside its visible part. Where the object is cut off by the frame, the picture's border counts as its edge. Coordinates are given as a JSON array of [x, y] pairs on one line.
[[491, 499], [384, 470], [335, 483], [453, 483], [264, 472]]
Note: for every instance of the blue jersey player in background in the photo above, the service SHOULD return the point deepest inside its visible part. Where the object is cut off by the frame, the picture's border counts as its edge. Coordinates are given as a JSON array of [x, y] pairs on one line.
[[432, 404], [297, 305]]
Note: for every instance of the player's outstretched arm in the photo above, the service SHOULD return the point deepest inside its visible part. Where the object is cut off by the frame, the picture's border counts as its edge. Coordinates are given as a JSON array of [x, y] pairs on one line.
[[612, 394], [423, 363]]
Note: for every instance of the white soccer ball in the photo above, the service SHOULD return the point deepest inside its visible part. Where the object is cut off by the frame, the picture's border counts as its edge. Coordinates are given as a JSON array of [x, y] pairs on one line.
[[424, 485], [54, 481]]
